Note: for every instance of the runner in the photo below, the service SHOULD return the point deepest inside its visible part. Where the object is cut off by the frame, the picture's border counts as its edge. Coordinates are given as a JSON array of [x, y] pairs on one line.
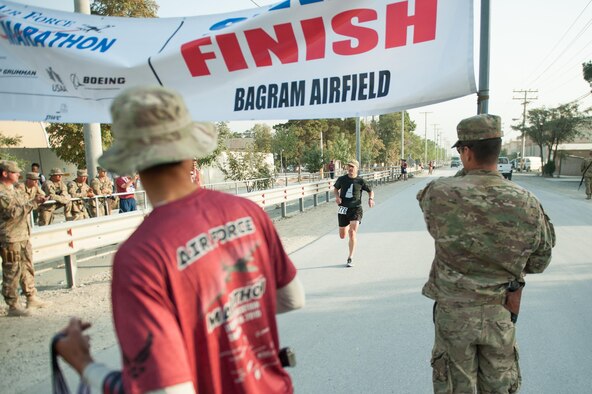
[[348, 196]]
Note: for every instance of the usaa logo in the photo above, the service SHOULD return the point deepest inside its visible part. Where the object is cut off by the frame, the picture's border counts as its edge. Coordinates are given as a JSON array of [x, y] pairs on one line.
[[57, 83]]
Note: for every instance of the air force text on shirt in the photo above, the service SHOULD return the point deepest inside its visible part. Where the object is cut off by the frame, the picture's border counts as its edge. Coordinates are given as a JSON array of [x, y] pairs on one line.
[[201, 245], [319, 91]]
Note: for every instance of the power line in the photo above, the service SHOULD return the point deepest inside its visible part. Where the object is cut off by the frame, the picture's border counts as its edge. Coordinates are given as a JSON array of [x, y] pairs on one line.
[[525, 101], [252, 1]]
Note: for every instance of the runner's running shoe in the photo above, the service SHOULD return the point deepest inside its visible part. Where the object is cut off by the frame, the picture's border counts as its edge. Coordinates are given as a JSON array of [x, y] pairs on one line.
[[349, 262]]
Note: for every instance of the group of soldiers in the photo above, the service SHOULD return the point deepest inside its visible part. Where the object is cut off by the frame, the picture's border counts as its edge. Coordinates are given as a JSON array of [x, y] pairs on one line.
[[76, 197]]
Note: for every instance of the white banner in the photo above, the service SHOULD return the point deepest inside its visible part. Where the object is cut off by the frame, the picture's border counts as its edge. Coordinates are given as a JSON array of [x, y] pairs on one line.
[[302, 59]]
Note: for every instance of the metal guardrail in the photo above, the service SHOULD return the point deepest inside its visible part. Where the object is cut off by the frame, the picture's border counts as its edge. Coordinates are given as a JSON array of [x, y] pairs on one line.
[[68, 238]]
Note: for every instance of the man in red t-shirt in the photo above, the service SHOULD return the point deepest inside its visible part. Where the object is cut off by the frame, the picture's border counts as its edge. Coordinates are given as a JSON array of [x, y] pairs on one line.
[[197, 286], [127, 184]]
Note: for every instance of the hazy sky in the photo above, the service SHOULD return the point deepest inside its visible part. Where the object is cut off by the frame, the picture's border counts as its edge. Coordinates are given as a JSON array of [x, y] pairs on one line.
[[535, 45]]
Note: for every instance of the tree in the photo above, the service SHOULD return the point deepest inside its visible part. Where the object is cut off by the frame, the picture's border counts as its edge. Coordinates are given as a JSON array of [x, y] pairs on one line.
[[263, 137], [248, 166], [563, 126], [538, 129], [7, 142], [284, 147], [371, 145], [125, 8], [67, 141], [341, 149], [223, 134], [587, 71], [313, 159]]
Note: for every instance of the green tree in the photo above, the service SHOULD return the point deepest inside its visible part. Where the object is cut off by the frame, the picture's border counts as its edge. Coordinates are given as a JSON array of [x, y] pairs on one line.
[[284, 147], [247, 167], [587, 71], [223, 134], [8, 142], [67, 141], [371, 145], [538, 127], [125, 8], [263, 137], [313, 159], [563, 126], [341, 149]]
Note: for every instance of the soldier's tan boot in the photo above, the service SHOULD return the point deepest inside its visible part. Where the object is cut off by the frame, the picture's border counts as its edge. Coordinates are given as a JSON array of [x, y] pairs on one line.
[[34, 302], [15, 311]]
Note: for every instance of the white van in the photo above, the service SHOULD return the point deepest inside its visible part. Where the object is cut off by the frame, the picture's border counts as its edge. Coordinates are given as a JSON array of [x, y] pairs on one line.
[[533, 163]]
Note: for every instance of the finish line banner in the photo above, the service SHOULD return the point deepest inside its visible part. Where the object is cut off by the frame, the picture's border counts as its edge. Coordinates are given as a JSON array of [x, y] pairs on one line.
[[302, 59]]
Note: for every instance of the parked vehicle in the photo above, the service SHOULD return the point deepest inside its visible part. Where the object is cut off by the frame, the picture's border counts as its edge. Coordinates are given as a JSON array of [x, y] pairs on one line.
[[504, 167], [455, 161], [533, 163]]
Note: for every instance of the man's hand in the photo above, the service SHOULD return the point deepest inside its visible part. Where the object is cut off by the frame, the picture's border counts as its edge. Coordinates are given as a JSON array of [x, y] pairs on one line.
[[338, 200], [75, 347], [371, 202], [40, 199]]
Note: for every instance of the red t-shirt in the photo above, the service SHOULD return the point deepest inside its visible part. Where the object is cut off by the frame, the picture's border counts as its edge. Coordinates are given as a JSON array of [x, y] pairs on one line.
[[120, 183], [194, 298]]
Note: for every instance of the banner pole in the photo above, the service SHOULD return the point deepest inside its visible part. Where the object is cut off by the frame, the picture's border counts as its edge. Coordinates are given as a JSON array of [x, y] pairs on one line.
[[93, 144], [483, 94]]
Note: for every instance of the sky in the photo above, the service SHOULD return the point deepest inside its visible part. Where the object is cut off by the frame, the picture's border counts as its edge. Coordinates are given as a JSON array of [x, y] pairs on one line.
[[536, 45]]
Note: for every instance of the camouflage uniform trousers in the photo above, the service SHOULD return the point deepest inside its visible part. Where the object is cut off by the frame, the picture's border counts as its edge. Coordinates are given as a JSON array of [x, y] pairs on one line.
[[17, 268], [588, 183], [475, 350], [79, 210], [46, 212]]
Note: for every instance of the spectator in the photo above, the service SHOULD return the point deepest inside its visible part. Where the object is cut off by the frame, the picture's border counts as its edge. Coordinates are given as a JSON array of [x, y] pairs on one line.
[[203, 276], [332, 169], [127, 184], [78, 188], [35, 168], [56, 190], [404, 169], [489, 233], [15, 247], [103, 186], [586, 170], [32, 189]]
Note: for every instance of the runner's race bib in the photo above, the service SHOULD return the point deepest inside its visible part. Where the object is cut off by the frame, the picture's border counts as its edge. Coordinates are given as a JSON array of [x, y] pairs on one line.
[[342, 210]]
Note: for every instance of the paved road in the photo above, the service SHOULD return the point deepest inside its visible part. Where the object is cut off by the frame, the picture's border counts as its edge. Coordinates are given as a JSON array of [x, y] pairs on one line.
[[368, 329]]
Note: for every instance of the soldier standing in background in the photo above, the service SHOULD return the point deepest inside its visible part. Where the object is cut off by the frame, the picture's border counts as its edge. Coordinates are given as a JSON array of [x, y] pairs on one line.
[[586, 169], [56, 190], [488, 233], [78, 188], [32, 188], [15, 247], [103, 186]]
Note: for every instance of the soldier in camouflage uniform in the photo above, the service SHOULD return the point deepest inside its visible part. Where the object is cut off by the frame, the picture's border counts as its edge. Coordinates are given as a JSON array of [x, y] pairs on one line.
[[15, 248], [78, 188], [102, 185], [32, 188], [488, 232], [586, 170], [57, 191]]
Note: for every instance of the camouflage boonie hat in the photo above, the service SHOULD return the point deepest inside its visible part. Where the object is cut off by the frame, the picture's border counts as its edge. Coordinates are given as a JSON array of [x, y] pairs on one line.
[[9, 166], [99, 169], [152, 126], [479, 127], [33, 176], [56, 171], [353, 163], [82, 173]]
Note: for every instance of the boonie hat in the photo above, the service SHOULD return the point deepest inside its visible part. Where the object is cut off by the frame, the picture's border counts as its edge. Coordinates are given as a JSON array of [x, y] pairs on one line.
[[99, 169], [56, 171], [152, 126], [33, 176], [353, 163], [479, 127], [10, 166], [82, 173]]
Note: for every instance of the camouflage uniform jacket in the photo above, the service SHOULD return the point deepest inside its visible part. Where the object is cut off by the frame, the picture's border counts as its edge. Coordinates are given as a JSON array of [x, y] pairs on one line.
[[488, 231], [56, 191], [102, 186], [78, 190], [586, 167], [15, 207], [34, 191]]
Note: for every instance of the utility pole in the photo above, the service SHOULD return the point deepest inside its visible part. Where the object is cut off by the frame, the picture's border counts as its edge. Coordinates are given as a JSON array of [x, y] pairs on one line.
[[525, 100], [93, 144], [402, 134], [483, 94], [358, 144], [435, 142], [425, 137]]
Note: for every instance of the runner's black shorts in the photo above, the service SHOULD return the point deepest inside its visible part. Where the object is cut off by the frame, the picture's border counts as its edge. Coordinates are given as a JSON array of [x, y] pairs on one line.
[[352, 214]]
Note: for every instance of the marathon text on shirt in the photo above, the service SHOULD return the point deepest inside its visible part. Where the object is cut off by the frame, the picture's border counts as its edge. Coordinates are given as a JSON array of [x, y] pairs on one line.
[[204, 243]]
